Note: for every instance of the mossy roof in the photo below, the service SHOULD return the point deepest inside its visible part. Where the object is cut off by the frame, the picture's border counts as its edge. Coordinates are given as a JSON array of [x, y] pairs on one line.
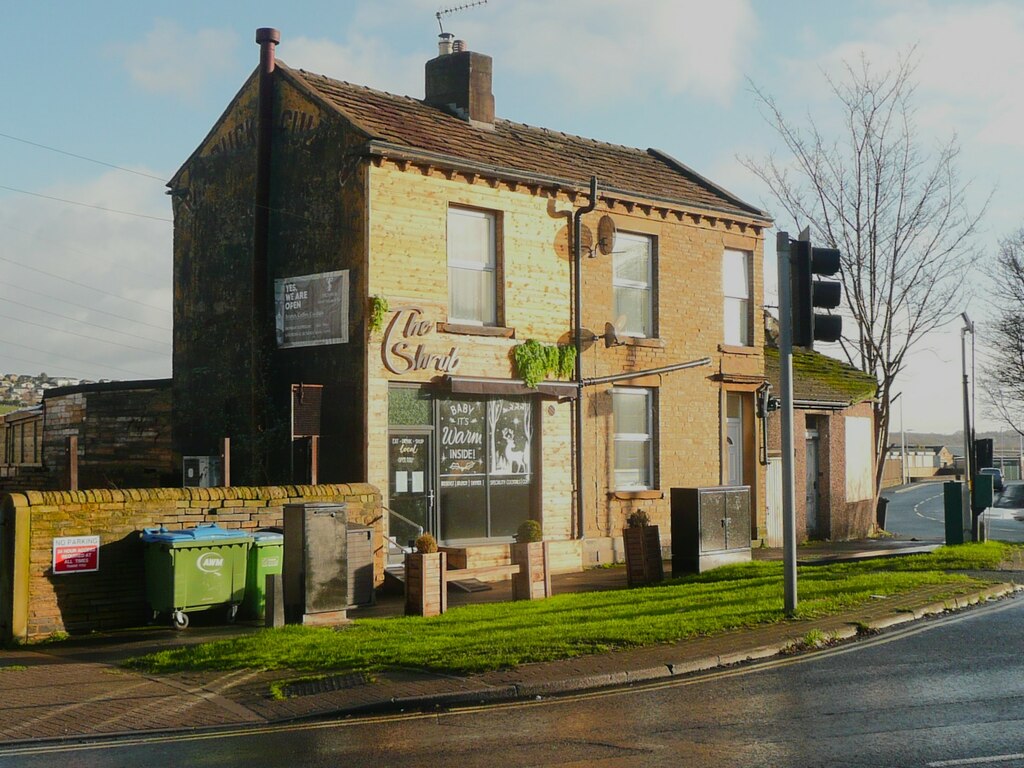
[[818, 377]]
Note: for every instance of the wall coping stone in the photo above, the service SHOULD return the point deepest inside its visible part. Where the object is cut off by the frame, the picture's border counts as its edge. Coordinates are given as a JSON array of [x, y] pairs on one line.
[[267, 494]]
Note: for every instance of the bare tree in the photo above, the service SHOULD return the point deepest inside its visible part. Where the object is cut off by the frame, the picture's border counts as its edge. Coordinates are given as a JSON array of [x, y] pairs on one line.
[[1003, 368], [895, 209]]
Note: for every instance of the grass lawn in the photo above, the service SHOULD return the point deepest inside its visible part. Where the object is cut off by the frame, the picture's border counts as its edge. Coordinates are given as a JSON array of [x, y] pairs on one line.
[[497, 635]]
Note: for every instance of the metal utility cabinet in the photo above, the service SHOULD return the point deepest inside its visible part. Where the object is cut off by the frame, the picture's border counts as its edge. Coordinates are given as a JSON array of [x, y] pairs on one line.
[[315, 563], [710, 527]]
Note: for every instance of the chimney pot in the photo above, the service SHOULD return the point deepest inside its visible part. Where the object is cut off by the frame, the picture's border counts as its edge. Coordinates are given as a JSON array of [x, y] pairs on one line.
[[459, 46], [267, 38], [444, 43]]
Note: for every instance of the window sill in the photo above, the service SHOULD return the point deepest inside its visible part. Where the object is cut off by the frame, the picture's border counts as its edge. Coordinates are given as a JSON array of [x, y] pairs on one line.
[[735, 349], [650, 342], [636, 495], [462, 329]]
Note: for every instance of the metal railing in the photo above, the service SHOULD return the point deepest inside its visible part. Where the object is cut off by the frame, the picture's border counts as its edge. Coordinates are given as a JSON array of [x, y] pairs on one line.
[[397, 525]]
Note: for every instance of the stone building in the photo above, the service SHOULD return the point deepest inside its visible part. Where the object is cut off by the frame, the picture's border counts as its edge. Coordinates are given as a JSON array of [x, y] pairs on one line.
[[356, 272]]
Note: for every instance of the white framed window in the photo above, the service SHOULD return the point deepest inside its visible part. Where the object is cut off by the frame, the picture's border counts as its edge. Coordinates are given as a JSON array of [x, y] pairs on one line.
[[472, 267], [736, 289], [633, 284], [633, 413]]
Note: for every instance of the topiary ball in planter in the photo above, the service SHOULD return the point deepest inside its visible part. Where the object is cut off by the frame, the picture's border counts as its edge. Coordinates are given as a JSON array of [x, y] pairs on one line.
[[529, 531], [426, 544], [638, 518]]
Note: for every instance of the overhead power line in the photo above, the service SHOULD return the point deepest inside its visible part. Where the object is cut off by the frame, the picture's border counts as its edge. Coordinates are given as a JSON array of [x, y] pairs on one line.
[[82, 157], [93, 257], [85, 205], [83, 285], [79, 321], [91, 363], [60, 300], [74, 333]]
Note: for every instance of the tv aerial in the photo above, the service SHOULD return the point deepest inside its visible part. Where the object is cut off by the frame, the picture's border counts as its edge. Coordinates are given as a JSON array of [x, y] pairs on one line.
[[455, 9]]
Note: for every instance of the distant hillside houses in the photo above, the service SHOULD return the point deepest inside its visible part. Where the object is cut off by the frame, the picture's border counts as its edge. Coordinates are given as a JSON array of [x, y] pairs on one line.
[[22, 389]]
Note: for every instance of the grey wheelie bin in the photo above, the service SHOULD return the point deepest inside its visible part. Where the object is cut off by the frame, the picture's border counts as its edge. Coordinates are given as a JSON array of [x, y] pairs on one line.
[[195, 569]]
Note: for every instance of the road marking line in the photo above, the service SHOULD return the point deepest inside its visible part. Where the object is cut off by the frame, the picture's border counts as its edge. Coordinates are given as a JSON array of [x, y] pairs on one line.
[[977, 760], [924, 501]]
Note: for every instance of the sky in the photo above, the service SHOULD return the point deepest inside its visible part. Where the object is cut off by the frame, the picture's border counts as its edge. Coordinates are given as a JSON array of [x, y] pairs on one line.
[[106, 100]]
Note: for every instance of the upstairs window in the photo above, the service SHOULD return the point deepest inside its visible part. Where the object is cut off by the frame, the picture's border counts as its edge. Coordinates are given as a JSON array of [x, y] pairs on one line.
[[472, 259], [633, 283], [736, 289]]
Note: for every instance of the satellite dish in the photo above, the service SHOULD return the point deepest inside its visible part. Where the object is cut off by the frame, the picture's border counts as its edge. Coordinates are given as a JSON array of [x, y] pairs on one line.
[[611, 336], [606, 235]]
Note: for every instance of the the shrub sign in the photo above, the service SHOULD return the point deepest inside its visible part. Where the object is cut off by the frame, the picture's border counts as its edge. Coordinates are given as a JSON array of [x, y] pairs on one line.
[[76, 554]]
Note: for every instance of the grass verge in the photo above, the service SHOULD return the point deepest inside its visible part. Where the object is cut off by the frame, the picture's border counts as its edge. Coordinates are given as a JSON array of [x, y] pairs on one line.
[[499, 635]]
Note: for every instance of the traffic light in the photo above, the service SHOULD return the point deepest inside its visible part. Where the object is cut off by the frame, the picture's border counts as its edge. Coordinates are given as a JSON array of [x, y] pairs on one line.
[[808, 293]]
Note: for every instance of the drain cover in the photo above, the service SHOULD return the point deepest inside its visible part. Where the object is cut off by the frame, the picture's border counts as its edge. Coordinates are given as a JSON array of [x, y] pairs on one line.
[[325, 684]]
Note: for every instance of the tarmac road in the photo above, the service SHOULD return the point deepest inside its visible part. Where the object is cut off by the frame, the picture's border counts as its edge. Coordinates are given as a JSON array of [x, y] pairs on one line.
[[943, 693], [916, 511]]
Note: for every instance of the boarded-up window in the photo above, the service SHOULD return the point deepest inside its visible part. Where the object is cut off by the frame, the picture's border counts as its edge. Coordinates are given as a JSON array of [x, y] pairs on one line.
[[859, 475], [306, 401]]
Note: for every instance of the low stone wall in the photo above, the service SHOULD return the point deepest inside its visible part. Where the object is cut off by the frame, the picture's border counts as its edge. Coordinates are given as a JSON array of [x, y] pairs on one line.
[[35, 603]]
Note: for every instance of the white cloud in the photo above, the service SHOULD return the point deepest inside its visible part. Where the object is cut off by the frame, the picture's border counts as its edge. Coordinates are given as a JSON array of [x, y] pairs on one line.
[[969, 58], [170, 59], [59, 253], [606, 48], [362, 60], [586, 49]]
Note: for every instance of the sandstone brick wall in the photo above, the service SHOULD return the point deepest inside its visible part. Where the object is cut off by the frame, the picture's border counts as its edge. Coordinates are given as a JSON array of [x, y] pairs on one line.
[[407, 266], [115, 595]]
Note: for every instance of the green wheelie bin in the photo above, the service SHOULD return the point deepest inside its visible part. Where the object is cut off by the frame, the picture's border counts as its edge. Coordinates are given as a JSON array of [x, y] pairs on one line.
[[195, 569], [266, 557]]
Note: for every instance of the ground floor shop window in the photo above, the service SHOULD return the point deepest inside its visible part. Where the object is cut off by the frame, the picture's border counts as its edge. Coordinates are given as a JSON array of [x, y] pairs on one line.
[[482, 462]]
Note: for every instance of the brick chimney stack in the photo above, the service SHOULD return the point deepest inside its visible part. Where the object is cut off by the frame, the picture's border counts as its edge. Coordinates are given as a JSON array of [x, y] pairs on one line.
[[459, 80]]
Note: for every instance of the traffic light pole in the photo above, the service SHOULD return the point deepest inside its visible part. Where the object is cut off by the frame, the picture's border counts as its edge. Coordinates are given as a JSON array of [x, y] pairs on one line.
[[786, 413]]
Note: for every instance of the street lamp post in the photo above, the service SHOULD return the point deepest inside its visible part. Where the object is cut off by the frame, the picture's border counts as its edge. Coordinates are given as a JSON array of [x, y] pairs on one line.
[[903, 443], [968, 468]]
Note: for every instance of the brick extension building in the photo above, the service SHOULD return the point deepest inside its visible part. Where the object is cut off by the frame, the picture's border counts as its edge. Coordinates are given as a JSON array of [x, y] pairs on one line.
[[833, 430], [315, 207], [123, 433]]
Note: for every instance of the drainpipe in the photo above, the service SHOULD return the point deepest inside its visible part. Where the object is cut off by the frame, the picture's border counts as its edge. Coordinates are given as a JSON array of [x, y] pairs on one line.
[[267, 39], [577, 257]]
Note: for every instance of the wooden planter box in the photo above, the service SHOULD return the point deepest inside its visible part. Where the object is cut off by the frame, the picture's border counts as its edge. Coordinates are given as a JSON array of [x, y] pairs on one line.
[[426, 593], [643, 555], [533, 582]]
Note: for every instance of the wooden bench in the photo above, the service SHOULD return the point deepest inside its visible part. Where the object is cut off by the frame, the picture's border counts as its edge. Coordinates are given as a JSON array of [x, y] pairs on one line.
[[482, 573]]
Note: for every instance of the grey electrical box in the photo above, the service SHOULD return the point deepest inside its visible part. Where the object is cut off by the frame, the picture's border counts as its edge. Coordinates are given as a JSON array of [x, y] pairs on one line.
[[360, 565], [710, 527], [315, 563], [202, 471]]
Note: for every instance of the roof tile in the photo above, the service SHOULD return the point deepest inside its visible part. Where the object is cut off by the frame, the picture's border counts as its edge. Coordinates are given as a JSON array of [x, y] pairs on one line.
[[515, 147]]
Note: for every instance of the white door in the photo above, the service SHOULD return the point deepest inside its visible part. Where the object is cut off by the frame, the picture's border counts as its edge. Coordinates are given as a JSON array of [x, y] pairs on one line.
[[734, 439], [811, 486], [773, 503]]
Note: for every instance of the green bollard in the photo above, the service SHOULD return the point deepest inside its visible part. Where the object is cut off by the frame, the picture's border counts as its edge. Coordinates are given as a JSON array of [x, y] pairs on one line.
[[953, 503]]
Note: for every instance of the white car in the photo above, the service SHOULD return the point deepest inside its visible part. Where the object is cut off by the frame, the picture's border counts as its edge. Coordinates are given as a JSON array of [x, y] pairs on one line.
[[997, 478]]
